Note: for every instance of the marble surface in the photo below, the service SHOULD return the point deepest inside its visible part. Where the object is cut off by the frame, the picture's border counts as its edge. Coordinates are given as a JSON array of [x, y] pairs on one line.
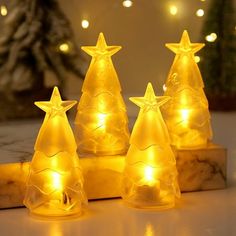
[[202, 169], [207, 213], [197, 213]]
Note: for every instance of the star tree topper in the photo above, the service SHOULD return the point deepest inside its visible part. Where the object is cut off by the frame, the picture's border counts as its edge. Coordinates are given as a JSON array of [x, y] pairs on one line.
[[185, 46], [150, 101], [55, 106], [101, 48]]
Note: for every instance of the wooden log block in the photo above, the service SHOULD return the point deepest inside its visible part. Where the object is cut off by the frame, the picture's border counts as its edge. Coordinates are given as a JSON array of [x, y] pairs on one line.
[[201, 169]]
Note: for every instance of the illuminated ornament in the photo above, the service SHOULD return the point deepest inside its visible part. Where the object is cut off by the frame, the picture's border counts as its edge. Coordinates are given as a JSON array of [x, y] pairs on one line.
[[186, 115], [150, 175], [85, 24], [55, 183], [101, 122]]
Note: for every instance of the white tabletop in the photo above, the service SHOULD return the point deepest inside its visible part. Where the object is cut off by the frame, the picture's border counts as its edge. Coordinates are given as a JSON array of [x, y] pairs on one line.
[[198, 213]]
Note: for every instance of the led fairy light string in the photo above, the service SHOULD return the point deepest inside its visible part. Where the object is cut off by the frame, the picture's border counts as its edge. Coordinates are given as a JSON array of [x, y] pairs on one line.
[[172, 8]]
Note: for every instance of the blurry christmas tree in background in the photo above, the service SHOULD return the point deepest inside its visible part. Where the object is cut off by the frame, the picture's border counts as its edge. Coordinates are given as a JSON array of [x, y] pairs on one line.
[[218, 59], [36, 37]]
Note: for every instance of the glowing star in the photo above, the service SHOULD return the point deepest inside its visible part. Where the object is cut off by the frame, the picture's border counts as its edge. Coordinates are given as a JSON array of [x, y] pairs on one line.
[[186, 115], [101, 48], [101, 122], [185, 46], [149, 101], [55, 183], [150, 175]]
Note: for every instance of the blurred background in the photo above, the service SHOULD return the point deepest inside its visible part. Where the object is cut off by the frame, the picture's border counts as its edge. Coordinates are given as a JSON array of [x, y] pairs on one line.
[[40, 44]]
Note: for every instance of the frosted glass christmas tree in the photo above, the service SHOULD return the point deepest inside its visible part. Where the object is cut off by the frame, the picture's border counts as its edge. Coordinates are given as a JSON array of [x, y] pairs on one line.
[[186, 115], [150, 175], [101, 122], [55, 183]]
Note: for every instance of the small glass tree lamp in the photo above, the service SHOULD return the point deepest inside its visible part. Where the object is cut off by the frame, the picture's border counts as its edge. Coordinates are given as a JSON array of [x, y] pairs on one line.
[[186, 115], [101, 123], [150, 174], [55, 183]]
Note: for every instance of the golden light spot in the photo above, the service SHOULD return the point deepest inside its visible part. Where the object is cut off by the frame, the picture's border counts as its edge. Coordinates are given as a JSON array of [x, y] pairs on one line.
[[3, 10], [211, 37], [173, 10], [127, 3], [197, 59], [85, 24], [200, 12], [56, 181], [64, 47]]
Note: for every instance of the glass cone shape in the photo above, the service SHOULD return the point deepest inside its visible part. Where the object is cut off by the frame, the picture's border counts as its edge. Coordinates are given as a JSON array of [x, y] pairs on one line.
[[186, 115], [55, 184], [101, 123], [150, 174]]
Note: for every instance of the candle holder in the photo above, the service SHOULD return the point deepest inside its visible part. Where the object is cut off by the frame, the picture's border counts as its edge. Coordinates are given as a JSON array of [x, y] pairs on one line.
[[55, 183], [101, 123], [186, 115], [150, 175]]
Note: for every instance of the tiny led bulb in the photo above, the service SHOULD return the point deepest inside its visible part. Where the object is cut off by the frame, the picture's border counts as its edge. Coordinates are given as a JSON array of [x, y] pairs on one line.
[[200, 12], [197, 59], [127, 3], [164, 88], [173, 10], [85, 24], [64, 47], [3, 10], [211, 37]]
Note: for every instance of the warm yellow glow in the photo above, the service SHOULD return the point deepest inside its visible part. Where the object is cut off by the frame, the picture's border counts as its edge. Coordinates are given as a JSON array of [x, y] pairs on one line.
[[85, 24], [197, 59], [56, 181], [164, 87], [127, 3], [150, 175], [3, 10], [149, 230], [64, 47], [186, 115], [173, 10], [102, 120], [55, 229], [101, 123], [211, 37], [55, 184], [200, 12]]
